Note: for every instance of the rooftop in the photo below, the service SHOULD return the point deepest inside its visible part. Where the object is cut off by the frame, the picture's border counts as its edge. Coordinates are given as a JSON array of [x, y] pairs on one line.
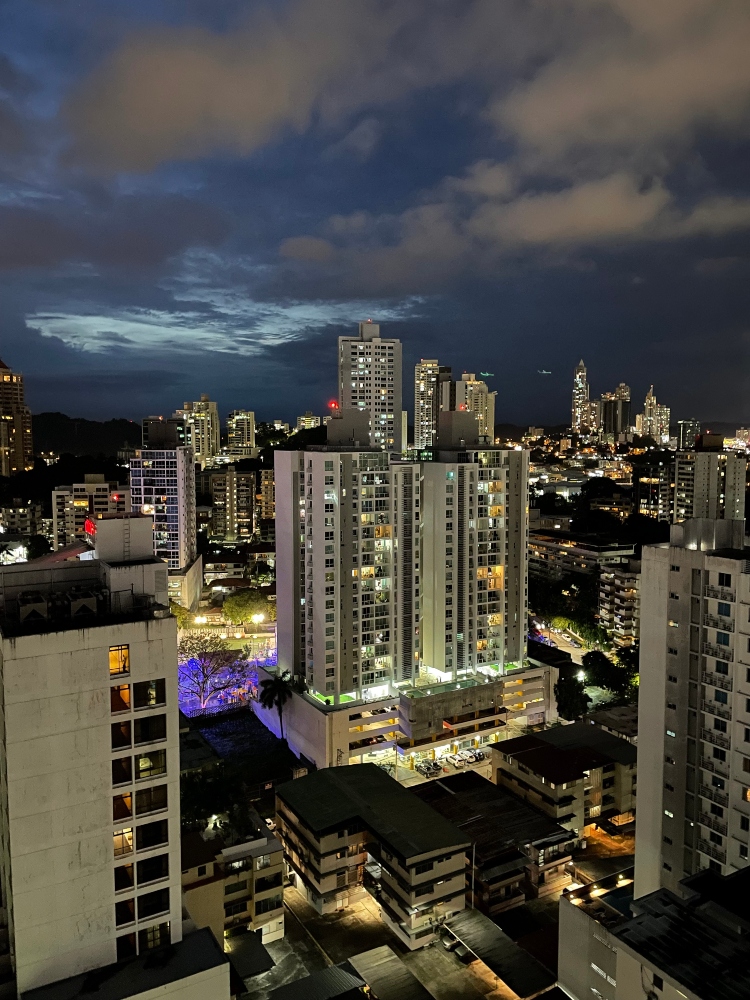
[[494, 820], [564, 753], [607, 900], [328, 799], [621, 719], [387, 976], [702, 941], [154, 971]]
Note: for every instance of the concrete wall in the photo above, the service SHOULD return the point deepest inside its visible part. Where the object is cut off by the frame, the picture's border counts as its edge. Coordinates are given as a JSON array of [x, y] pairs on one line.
[[210, 985], [585, 950]]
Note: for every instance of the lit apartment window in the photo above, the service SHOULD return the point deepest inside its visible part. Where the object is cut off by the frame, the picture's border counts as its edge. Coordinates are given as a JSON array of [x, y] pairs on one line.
[[150, 765], [123, 842], [119, 698], [119, 660]]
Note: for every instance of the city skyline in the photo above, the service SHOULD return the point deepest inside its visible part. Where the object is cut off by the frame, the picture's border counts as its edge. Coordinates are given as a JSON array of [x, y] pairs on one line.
[[468, 201]]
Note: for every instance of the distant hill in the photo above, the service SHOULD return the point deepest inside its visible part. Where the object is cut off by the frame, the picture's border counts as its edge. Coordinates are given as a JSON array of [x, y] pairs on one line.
[[77, 436]]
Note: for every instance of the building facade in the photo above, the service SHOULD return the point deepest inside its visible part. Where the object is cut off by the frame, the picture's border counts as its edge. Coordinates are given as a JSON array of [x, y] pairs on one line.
[[370, 380], [430, 377], [202, 429], [615, 412], [694, 697], [554, 554], [687, 432], [308, 421], [16, 444], [474, 396], [709, 484], [73, 506], [232, 503], [578, 415], [266, 498], [620, 602], [654, 421], [241, 433]]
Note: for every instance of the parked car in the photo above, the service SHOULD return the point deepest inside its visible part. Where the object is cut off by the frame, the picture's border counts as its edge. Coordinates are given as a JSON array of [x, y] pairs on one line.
[[480, 755], [449, 942], [453, 758], [424, 767], [467, 755]]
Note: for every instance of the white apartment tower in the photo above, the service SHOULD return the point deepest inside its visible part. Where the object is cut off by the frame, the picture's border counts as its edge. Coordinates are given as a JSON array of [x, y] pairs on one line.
[[89, 763], [694, 705], [73, 506], [580, 397], [654, 421], [202, 428], [370, 379], [709, 484], [473, 395], [387, 566], [430, 381], [241, 433]]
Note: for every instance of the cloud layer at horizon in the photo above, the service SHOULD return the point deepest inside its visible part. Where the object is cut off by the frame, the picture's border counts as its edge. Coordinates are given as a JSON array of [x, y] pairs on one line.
[[214, 191]]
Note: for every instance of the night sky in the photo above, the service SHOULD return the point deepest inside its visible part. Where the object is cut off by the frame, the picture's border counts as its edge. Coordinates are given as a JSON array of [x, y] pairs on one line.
[[201, 195]]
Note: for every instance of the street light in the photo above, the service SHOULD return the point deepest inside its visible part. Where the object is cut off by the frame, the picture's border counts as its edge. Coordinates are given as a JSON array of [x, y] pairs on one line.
[[257, 619], [200, 619]]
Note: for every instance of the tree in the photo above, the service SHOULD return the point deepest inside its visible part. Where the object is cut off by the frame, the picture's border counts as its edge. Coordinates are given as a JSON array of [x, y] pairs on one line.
[[275, 692], [207, 667], [243, 604], [36, 546], [601, 671], [182, 615], [572, 700]]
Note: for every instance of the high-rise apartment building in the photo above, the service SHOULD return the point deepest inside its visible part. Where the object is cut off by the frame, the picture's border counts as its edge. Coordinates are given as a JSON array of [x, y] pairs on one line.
[[687, 432], [266, 498], [709, 484], [615, 412], [241, 433], [73, 506], [308, 421], [90, 793], [232, 503], [474, 396], [370, 379], [432, 393], [386, 567], [162, 485], [694, 724], [580, 397], [654, 421], [620, 602], [16, 445], [653, 486], [202, 428]]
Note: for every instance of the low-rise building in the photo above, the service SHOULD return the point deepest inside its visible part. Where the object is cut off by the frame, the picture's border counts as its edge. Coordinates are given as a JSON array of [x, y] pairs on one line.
[[21, 518], [578, 774], [334, 822], [232, 888], [73, 506], [620, 602], [554, 554], [517, 853], [620, 720]]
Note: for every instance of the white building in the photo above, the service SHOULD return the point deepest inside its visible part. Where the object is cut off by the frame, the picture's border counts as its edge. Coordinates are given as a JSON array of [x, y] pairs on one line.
[[579, 412], [473, 395], [431, 380], [241, 433], [308, 421], [709, 484], [202, 428], [89, 793], [620, 602], [694, 735], [370, 379], [654, 421], [73, 505], [162, 485]]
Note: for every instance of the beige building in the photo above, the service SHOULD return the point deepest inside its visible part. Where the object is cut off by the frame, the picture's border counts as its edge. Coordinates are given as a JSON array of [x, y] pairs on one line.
[[241, 434], [234, 888], [473, 396], [202, 429], [334, 822], [16, 445], [579, 774], [370, 380], [73, 506], [266, 499], [89, 775], [620, 603], [554, 554]]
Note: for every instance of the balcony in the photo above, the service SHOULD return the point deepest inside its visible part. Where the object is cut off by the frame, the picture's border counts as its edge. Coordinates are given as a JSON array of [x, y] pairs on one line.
[[718, 593], [717, 680], [715, 766], [719, 710], [713, 823], [713, 852], [718, 652], [718, 739], [713, 621], [713, 795]]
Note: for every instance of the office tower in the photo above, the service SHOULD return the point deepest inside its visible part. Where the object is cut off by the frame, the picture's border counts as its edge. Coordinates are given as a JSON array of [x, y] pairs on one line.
[[73, 506], [615, 412], [693, 735], [654, 421], [434, 391], [16, 445], [370, 379], [620, 602], [232, 503], [580, 397], [90, 793], [653, 486], [473, 395], [422, 565], [591, 416], [162, 485], [687, 432], [202, 428], [241, 433], [709, 484], [308, 421]]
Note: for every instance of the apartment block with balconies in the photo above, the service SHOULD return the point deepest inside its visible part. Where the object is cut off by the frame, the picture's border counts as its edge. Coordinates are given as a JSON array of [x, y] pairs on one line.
[[336, 822]]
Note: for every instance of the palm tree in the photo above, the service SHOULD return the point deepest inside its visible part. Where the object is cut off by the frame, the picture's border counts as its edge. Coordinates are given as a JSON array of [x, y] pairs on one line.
[[275, 692]]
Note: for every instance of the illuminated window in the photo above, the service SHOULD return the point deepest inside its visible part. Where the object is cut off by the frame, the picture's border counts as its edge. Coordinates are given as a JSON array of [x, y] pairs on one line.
[[119, 698], [123, 842], [149, 765], [119, 660], [122, 807]]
